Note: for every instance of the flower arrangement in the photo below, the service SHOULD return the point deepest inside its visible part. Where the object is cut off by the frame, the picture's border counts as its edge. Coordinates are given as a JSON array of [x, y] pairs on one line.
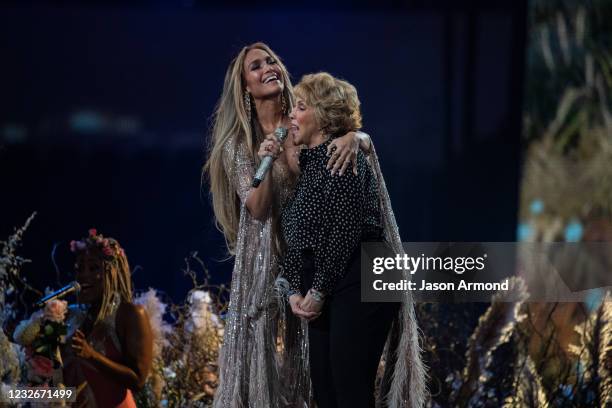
[[185, 372], [42, 335], [478, 355], [10, 360], [161, 330]]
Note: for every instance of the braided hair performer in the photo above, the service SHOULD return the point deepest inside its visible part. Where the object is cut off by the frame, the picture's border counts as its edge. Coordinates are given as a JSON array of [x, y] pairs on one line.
[[110, 345]]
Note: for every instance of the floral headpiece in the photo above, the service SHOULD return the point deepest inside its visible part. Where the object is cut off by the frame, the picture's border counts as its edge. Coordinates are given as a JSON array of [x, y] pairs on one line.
[[109, 247]]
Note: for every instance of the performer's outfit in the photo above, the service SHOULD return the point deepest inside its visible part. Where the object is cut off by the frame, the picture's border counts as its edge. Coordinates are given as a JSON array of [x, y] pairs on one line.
[[255, 371], [264, 360], [95, 389]]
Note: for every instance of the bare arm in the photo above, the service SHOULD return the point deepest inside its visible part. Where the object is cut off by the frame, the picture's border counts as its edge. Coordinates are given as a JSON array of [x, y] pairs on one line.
[[260, 199]]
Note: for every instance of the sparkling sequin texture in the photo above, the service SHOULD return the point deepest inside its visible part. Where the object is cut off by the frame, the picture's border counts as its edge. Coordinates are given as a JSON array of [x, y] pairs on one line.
[[263, 360]]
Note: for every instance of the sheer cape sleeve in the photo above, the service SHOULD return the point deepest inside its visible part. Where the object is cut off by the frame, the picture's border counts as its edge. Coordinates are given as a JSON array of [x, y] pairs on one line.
[[404, 381]]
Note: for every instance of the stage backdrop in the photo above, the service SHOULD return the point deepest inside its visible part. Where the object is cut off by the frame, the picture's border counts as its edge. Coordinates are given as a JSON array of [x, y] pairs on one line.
[[105, 113]]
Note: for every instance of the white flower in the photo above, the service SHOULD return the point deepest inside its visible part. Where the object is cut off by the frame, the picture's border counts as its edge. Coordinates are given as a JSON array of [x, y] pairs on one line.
[[200, 296], [155, 310], [201, 315]]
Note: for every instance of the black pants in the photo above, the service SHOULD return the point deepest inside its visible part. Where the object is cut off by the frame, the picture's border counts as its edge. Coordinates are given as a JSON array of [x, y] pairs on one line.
[[346, 341]]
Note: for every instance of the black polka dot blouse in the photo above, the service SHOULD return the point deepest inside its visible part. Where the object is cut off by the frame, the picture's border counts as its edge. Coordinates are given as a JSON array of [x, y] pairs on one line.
[[328, 215]]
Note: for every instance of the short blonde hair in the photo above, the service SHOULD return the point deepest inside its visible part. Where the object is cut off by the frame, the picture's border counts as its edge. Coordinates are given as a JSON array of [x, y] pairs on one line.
[[334, 101]]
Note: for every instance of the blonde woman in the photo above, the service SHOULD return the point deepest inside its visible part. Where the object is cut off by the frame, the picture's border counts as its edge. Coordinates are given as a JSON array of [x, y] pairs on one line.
[[323, 224], [257, 98]]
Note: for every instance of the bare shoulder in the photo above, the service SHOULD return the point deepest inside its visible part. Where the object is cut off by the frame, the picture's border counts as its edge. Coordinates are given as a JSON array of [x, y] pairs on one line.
[[131, 311], [130, 316]]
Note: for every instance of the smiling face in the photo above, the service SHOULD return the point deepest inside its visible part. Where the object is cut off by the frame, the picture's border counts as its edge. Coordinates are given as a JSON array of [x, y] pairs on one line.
[[262, 74], [304, 125], [89, 274]]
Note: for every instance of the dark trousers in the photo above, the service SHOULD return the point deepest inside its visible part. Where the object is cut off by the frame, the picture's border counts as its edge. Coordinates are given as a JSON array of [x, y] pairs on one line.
[[346, 341]]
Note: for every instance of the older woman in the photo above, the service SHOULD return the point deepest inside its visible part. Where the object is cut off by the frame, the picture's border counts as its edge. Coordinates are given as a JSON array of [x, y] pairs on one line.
[[323, 225], [257, 98]]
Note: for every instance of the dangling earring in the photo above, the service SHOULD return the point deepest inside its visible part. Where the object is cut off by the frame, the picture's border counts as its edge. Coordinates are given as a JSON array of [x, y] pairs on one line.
[[247, 104], [283, 104]]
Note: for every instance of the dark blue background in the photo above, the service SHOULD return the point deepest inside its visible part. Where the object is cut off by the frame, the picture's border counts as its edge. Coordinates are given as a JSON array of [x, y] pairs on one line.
[[105, 112]]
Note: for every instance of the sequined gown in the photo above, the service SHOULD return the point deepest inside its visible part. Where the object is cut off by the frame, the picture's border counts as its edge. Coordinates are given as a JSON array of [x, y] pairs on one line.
[[262, 362]]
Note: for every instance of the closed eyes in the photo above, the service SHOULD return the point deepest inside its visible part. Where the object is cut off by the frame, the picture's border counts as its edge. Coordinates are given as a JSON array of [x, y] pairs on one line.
[[255, 65]]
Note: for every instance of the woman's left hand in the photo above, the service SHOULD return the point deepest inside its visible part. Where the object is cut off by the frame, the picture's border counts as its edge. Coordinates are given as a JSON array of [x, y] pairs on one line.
[[343, 152], [309, 304], [80, 345]]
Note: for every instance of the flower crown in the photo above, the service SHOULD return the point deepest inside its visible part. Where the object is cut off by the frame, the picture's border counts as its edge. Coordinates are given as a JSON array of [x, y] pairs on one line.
[[109, 247]]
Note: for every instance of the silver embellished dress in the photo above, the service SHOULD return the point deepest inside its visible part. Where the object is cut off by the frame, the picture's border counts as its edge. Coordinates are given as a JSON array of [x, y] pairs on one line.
[[262, 363], [264, 358]]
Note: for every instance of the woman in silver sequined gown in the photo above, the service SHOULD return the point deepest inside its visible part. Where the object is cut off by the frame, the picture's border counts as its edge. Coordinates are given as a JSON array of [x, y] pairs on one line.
[[263, 360]]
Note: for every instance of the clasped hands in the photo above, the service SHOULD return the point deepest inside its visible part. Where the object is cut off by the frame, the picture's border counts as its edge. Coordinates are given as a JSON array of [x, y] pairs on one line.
[[307, 308]]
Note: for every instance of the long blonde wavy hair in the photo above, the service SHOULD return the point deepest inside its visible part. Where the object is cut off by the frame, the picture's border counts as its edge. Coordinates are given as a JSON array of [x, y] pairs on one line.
[[231, 123]]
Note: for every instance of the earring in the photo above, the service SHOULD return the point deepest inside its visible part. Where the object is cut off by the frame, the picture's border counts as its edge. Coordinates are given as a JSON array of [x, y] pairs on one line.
[[283, 104], [247, 104]]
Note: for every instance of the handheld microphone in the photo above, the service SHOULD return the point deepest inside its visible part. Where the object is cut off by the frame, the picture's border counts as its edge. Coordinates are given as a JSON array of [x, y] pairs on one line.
[[281, 134], [71, 287]]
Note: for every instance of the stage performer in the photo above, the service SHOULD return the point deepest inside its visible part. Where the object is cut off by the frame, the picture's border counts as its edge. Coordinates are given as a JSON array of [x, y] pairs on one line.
[[109, 350], [262, 361]]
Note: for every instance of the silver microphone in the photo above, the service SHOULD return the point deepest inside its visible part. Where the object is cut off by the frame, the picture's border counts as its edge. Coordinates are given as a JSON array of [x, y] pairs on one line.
[[71, 287], [281, 134]]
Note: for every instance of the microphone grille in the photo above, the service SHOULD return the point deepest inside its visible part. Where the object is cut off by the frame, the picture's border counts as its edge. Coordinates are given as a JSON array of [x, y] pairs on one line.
[[281, 134]]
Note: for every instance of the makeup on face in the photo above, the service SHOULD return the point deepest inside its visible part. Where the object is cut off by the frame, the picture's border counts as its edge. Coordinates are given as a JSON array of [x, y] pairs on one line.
[[89, 272], [262, 74]]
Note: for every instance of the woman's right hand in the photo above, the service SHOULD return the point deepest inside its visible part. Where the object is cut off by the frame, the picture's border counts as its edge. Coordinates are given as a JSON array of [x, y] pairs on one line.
[[295, 301], [269, 147]]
